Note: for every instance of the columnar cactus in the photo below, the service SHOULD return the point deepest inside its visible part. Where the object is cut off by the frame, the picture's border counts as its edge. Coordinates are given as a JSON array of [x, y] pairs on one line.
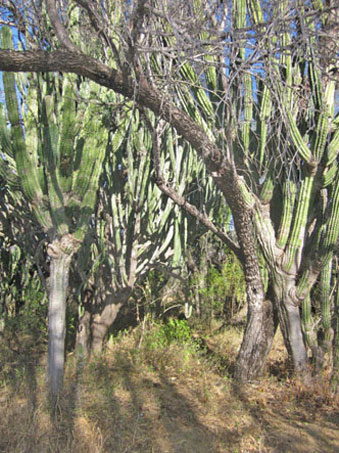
[[56, 147], [137, 227], [335, 372]]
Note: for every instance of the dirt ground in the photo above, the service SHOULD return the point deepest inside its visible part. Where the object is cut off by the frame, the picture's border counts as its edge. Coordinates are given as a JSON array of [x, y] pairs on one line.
[[169, 400]]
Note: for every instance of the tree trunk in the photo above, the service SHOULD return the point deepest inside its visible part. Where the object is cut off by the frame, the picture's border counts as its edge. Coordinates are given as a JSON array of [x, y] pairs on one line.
[[101, 322], [60, 253], [260, 328], [290, 321], [257, 341]]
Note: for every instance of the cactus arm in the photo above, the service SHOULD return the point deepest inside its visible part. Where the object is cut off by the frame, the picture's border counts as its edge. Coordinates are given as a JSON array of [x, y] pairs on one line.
[[297, 237], [239, 18], [51, 156], [95, 137], [325, 294], [289, 195], [265, 110], [24, 159], [68, 132], [327, 244], [8, 171], [332, 231], [26, 170], [335, 369], [266, 192]]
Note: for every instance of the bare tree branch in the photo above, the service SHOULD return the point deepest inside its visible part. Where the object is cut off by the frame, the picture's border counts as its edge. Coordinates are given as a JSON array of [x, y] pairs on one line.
[[180, 200], [59, 28], [147, 96]]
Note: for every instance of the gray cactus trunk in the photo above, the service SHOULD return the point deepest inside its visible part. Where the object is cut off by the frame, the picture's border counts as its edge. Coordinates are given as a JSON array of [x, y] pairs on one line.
[[290, 322], [59, 279], [101, 322], [93, 327], [335, 371]]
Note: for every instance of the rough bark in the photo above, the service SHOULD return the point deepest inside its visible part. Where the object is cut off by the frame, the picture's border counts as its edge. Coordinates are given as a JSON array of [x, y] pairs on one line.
[[257, 341], [260, 329], [60, 252]]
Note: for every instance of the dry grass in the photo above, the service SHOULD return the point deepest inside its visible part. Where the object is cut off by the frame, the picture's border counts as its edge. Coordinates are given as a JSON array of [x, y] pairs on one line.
[[175, 399]]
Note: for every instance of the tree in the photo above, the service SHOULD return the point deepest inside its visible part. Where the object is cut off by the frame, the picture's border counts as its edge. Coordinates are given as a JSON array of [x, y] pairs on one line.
[[284, 165], [249, 99]]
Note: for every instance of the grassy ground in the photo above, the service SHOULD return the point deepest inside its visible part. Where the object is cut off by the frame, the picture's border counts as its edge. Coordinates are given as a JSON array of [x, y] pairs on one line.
[[148, 396]]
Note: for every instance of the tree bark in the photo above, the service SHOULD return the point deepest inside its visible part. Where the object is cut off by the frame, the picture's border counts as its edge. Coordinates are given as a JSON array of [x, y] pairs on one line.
[[257, 341], [260, 328], [60, 252]]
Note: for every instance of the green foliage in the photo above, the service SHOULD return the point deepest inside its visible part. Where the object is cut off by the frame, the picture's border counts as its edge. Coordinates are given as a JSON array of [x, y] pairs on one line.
[[177, 330], [161, 335], [31, 319], [223, 290], [23, 307]]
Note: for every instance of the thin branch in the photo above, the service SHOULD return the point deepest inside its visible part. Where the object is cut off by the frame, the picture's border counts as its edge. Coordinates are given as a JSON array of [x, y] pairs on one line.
[[99, 27], [59, 28], [180, 200]]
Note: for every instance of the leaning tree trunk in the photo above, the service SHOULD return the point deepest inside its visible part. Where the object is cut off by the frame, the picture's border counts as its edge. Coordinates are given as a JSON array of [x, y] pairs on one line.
[[260, 328], [101, 322], [60, 252]]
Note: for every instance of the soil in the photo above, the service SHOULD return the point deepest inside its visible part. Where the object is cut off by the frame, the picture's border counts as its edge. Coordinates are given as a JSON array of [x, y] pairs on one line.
[[171, 400]]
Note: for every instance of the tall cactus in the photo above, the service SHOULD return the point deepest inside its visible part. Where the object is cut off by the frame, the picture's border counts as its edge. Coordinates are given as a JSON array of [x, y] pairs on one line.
[[335, 371], [137, 228], [57, 147]]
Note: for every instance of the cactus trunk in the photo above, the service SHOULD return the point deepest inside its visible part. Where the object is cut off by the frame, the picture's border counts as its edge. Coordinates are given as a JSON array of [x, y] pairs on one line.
[[93, 327], [290, 322], [59, 279], [335, 371], [101, 322], [257, 341]]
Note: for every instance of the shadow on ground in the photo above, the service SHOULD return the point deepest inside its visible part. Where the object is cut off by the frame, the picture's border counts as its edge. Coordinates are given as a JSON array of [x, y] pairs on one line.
[[173, 400]]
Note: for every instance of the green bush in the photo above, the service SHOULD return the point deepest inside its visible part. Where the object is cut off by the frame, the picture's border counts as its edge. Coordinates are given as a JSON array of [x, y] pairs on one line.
[[162, 335], [177, 330], [222, 289]]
